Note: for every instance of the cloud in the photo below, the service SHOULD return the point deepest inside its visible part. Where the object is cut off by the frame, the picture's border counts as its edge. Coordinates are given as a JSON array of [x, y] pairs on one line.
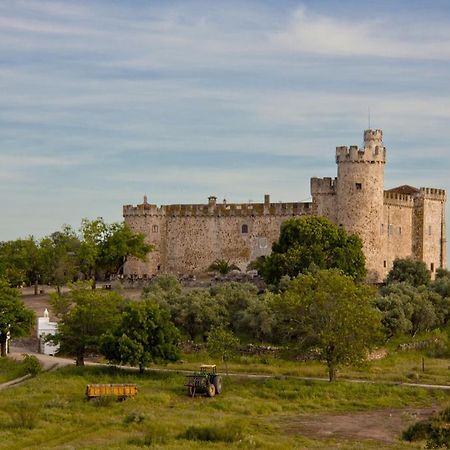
[[381, 37]]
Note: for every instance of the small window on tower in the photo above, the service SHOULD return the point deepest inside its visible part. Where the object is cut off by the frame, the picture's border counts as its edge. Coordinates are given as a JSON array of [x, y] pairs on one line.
[[155, 228], [429, 230], [432, 267], [382, 228], [358, 186], [244, 229], [399, 230], [384, 264]]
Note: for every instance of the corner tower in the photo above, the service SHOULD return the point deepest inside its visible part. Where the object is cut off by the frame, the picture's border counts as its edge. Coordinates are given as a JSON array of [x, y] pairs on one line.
[[359, 195]]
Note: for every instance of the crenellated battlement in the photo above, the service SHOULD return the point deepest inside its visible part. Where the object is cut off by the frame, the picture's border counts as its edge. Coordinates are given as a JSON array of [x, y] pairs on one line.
[[396, 199], [373, 138], [219, 210], [144, 209], [353, 154], [324, 186], [433, 193]]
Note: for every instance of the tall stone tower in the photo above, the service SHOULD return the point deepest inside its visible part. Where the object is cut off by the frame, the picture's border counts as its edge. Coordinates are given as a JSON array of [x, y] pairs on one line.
[[359, 193]]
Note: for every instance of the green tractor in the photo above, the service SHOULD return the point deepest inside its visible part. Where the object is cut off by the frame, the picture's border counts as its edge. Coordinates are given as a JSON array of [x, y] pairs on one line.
[[207, 381]]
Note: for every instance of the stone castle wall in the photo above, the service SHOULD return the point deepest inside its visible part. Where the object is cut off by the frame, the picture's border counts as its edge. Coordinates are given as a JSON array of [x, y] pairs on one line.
[[392, 224], [188, 238]]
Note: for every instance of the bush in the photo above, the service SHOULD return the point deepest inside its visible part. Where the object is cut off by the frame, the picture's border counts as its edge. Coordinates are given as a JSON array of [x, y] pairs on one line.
[[436, 431], [212, 433], [31, 365], [417, 432]]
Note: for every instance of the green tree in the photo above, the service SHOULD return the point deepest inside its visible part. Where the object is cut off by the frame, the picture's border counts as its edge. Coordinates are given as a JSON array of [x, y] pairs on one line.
[[409, 271], [249, 315], [329, 313], [85, 315], [222, 344], [105, 247], [15, 318], [407, 309], [196, 312], [163, 289], [222, 266], [21, 262], [144, 335], [312, 242], [59, 257]]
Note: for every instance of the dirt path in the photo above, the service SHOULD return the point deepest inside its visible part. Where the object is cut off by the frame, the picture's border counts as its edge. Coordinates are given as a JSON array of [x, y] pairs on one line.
[[385, 425]]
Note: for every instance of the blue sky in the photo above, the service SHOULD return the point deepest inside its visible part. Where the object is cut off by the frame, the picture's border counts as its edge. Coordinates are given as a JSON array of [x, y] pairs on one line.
[[105, 101]]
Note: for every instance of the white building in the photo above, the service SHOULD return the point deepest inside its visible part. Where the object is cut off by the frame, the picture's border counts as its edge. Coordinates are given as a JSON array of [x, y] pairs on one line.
[[45, 328]]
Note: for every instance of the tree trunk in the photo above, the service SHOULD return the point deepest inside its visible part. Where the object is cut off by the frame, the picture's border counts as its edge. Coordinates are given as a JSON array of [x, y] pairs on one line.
[[332, 372], [36, 287], [141, 368], [3, 346], [80, 360]]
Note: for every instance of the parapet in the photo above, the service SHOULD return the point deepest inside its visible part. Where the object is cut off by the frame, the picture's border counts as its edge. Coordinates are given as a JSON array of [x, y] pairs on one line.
[[373, 138], [396, 199], [353, 154], [220, 209], [324, 186], [433, 193], [144, 209]]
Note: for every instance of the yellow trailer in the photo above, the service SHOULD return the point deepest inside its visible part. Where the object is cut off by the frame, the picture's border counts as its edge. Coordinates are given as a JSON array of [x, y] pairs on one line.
[[121, 391]]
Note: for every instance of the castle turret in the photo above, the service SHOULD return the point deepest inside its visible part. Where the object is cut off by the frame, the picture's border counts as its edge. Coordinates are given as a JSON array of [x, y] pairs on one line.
[[359, 192]]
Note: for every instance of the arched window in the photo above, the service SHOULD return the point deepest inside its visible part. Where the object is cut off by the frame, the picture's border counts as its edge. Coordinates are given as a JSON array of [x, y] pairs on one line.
[[244, 228]]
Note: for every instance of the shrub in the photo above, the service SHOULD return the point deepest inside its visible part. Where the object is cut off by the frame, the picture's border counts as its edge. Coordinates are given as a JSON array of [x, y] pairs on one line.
[[417, 432], [31, 365], [212, 433]]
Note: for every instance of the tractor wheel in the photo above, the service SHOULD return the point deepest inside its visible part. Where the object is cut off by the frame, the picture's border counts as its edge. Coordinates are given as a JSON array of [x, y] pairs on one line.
[[217, 381], [210, 390]]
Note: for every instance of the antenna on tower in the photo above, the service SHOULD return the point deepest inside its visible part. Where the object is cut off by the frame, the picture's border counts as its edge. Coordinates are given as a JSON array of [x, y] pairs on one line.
[[368, 115]]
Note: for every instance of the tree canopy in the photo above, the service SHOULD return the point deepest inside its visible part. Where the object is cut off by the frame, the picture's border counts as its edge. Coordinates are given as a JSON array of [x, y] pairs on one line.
[[85, 315], [329, 314], [307, 242], [15, 318], [410, 271], [96, 251], [236, 307], [407, 309], [145, 334]]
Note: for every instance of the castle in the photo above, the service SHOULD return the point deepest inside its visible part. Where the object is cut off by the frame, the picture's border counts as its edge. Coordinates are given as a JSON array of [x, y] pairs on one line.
[[395, 223]]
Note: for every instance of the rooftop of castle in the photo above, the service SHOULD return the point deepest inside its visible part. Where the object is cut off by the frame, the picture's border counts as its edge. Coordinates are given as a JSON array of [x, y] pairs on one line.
[[404, 189]]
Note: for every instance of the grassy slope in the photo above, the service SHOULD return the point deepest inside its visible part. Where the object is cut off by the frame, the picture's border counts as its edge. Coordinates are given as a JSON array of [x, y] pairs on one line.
[[400, 366], [10, 369], [65, 420]]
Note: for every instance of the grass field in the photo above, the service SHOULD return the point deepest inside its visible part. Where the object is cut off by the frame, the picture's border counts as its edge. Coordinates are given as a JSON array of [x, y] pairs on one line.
[[50, 411], [396, 367], [10, 369]]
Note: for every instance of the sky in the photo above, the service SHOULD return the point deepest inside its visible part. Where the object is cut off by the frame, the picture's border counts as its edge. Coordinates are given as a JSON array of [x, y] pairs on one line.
[[103, 101]]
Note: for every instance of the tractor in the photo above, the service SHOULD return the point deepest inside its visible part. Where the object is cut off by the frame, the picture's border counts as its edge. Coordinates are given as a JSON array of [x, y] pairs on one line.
[[207, 381]]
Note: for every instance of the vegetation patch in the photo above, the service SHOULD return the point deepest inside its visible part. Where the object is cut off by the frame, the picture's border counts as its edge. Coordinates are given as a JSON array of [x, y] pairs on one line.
[[231, 432]]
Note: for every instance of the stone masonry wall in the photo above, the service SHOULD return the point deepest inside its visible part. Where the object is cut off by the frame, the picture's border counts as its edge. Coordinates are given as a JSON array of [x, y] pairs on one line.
[[396, 229]]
